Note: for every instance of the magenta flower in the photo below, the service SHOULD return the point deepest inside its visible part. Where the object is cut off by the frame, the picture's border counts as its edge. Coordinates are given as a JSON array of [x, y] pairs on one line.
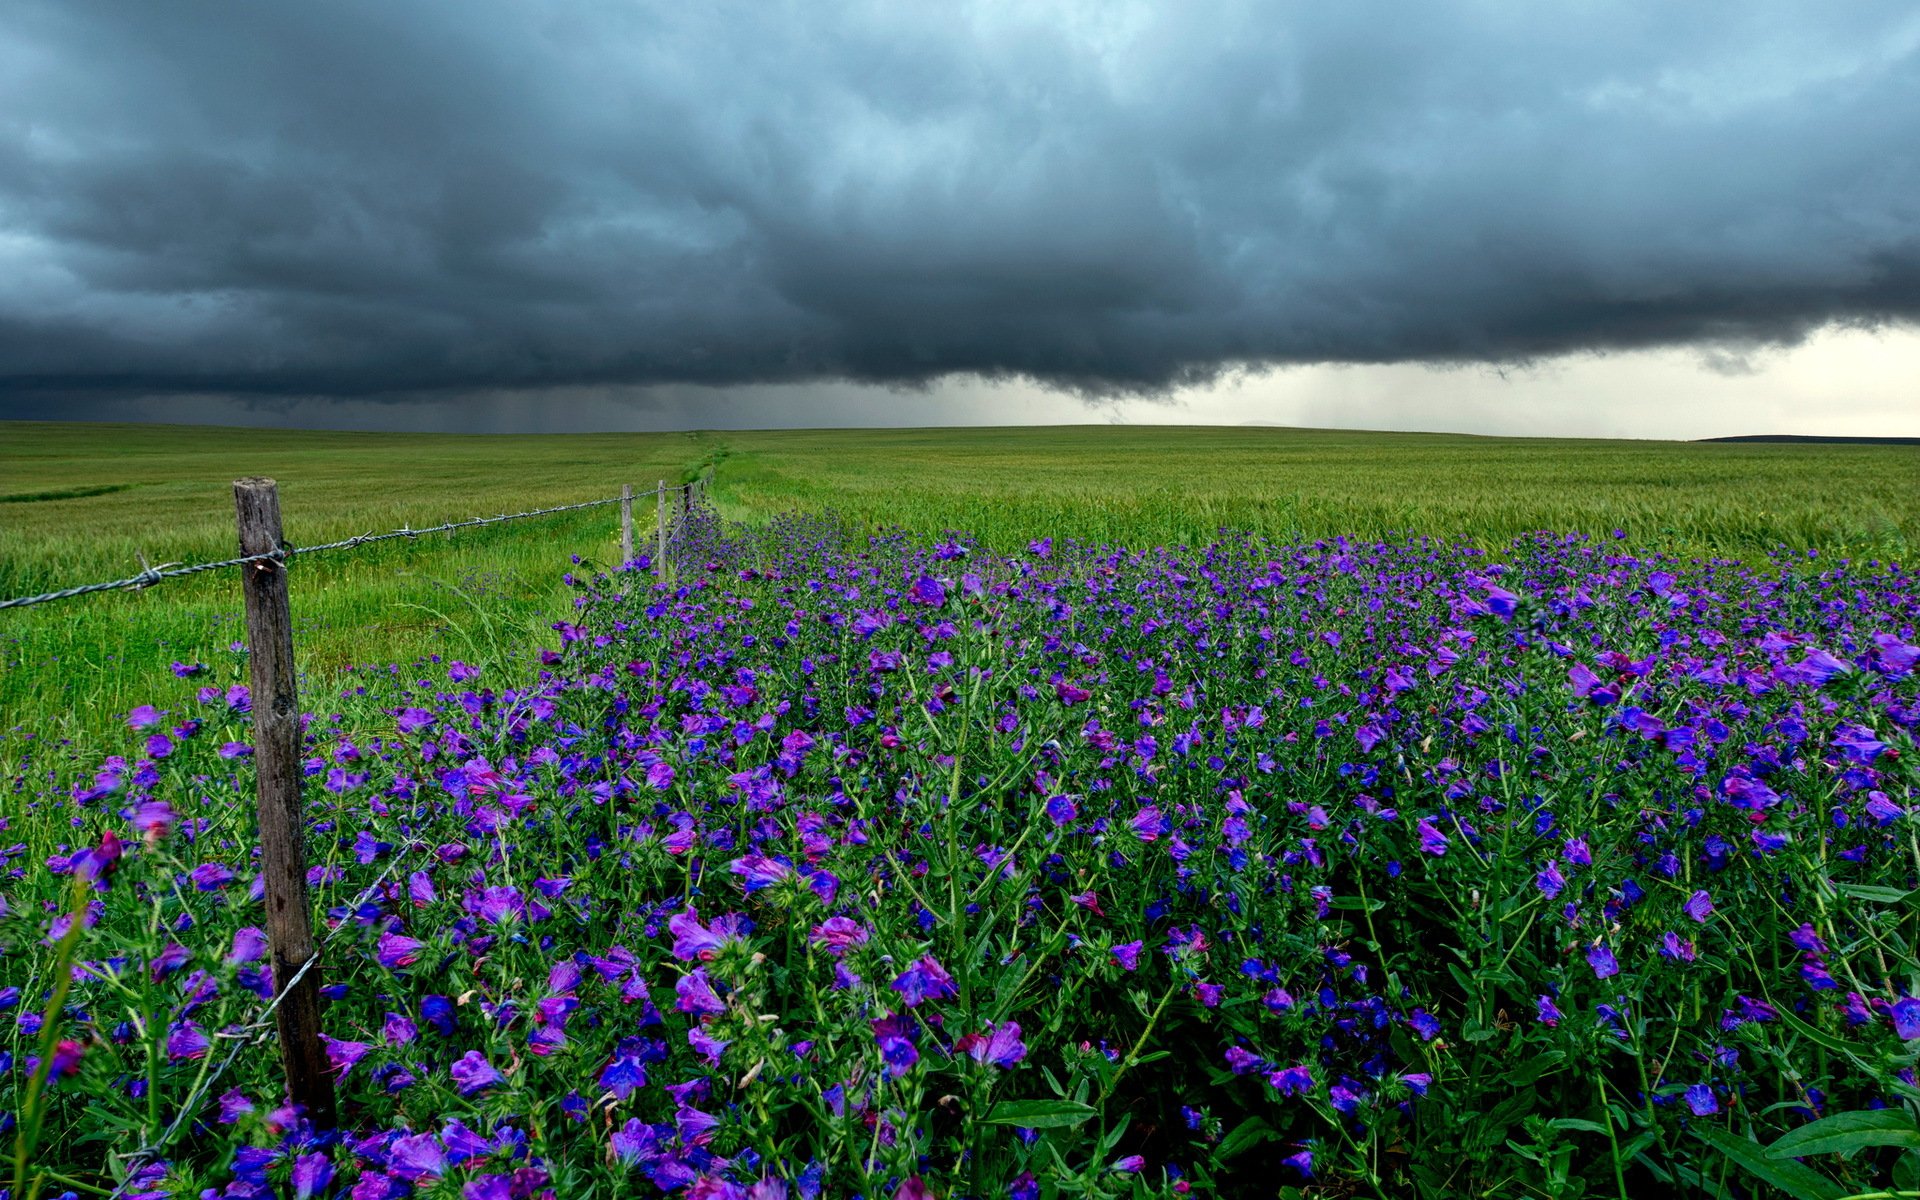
[[344, 1056], [837, 935], [697, 995], [397, 950], [1000, 1045], [67, 1054]]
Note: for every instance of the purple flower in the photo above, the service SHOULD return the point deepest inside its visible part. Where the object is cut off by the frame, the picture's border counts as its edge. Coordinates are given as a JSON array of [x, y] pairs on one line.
[[1546, 1011], [696, 993], [1061, 810], [1129, 1165], [416, 1157], [924, 980], [397, 950], [1601, 959], [1673, 946], [1906, 1017], [695, 1128], [1699, 906], [344, 1056], [186, 1041], [928, 591], [233, 1105], [837, 935], [1147, 824], [1432, 841], [144, 717], [635, 1141], [1291, 1081], [211, 877], [895, 1035], [1701, 1100], [1000, 1045], [1550, 881], [311, 1175], [472, 1073], [1127, 954]]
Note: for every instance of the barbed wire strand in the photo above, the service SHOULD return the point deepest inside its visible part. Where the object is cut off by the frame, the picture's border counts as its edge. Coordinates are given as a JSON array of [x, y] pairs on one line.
[[254, 1033], [153, 575]]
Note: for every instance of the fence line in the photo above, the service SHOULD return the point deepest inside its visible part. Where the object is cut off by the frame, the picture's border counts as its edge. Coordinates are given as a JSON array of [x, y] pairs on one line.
[[153, 575], [294, 1014]]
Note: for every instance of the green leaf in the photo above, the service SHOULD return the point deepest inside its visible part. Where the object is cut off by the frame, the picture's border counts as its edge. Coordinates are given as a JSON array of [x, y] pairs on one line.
[[1356, 904], [1533, 1068], [1578, 1125], [1798, 1181], [1848, 1131], [1906, 1172], [1245, 1136], [1039, 1114], [1879, 895], [1817, 1036]]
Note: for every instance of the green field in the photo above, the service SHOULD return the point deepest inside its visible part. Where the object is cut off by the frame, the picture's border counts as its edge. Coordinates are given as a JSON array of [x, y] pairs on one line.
[[85, 502]]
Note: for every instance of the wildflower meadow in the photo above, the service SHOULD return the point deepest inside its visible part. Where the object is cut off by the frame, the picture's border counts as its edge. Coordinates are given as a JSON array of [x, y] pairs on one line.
[[897, 867]]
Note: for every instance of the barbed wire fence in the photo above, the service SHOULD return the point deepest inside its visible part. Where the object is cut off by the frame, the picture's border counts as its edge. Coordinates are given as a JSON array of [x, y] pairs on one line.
[[158, 574], [293, 1012]]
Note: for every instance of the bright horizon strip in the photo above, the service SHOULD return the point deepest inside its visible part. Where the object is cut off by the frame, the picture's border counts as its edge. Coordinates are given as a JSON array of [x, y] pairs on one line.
[[1839, 383]]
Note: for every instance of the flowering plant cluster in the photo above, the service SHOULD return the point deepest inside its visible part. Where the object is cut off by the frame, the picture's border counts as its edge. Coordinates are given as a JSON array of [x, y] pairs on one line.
[[862, 867]]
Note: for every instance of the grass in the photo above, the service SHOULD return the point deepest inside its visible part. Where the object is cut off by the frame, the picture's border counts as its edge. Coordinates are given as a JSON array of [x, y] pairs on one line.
[[163, 495], [91, 502], [1140, 484]]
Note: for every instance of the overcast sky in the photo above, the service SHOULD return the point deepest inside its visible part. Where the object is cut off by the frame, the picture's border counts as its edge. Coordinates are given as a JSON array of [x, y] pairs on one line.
[[1645, 220]]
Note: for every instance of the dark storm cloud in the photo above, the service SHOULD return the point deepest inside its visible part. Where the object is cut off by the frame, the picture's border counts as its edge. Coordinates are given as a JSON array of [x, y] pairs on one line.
[[359, 199]]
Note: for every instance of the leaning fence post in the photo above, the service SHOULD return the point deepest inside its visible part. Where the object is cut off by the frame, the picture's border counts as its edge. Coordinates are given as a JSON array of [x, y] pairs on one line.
[[660, 530], [626, 523], [276, 757]]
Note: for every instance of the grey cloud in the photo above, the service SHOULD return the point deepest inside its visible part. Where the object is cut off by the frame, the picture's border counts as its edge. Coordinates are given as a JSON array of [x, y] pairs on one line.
[[371, 200]]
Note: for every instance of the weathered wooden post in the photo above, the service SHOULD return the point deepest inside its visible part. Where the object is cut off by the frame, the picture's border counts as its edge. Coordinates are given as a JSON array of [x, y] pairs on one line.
[[660, 530], [626, 523], [276, 757]]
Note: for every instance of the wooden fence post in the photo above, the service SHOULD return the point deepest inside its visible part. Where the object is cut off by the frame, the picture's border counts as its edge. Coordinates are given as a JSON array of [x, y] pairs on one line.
[[626, 523], [660, 530], [276, 757]]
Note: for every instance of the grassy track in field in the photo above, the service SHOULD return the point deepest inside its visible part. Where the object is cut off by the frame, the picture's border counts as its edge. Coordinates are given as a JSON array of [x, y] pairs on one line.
[[83, 502]]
